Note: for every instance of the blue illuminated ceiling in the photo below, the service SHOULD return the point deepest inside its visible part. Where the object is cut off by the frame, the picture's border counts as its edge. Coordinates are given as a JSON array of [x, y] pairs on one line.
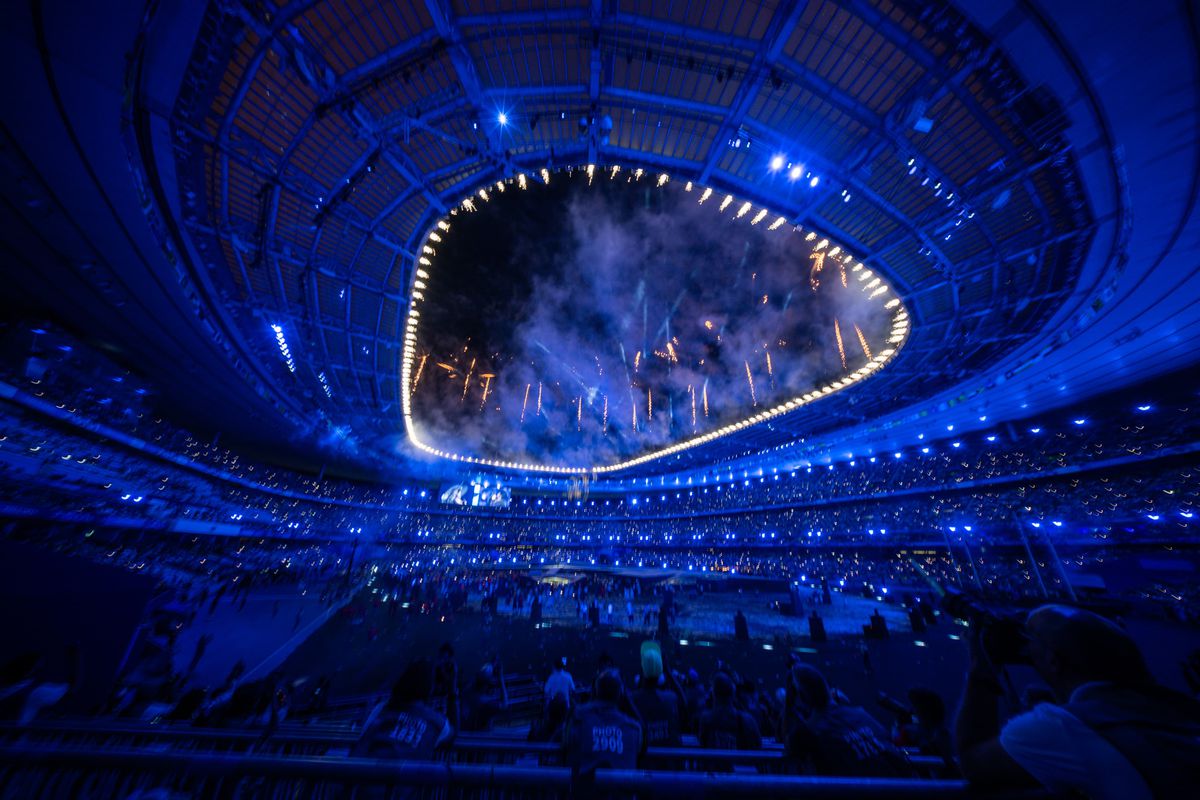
[[282, 168]]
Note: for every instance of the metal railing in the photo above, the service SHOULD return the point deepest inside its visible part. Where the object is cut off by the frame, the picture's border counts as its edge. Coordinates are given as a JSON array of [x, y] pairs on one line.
[[46, 772], [295, 740]]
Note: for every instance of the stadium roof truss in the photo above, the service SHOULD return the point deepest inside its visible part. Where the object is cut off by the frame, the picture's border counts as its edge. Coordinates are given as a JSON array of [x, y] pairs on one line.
[[316, 144]]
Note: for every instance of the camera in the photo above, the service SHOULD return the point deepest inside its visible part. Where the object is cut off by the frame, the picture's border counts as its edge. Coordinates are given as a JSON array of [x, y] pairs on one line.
[[904, 714], [1001, 628]]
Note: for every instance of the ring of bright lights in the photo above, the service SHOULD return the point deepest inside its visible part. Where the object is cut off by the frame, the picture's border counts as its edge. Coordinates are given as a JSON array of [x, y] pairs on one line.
[[872, 285]]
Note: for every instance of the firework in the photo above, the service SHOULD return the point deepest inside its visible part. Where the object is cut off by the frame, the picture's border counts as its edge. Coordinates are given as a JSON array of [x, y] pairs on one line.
[[420, 369], [863, 341], [579, 413], [837, 332], [671, 353], [745, 209], [770, 371], [705, 398], [814, 279], [707, 193], [467, 381], [750, 380], [637, 359], [524, 403], [692, 392], [539, 400], [725, 203], [649, 405], [604, 423], [487, 385]]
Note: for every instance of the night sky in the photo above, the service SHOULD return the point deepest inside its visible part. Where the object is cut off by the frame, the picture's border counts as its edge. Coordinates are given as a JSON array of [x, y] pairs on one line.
[[626, 304]]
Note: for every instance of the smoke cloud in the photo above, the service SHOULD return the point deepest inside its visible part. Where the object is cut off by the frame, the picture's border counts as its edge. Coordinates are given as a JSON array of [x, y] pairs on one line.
[[626, 308]]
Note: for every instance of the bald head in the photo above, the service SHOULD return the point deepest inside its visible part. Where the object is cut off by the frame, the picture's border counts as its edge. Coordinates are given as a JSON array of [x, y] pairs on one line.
[[1071, 647]]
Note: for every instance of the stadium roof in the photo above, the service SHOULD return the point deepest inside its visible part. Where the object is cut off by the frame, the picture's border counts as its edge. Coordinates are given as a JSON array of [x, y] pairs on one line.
[[235, 195]]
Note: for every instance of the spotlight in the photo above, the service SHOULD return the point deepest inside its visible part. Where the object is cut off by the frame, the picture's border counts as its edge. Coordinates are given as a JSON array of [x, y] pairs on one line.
[[776, 163], [815, 180], [502, 118], [795, 172]]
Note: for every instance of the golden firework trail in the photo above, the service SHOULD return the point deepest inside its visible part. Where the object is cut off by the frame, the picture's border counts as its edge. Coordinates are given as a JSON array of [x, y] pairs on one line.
[[863, 341], [770, 370], [604, 423], [750, 380], [842, 270], [633, 416], [692, 392], [524, 403], [837, 332], [814, 279], [649, 405], [671, 353], [579, 413], [706, 399], [467, 381], [487, 385], [539, 402], [420, 369], [637, 359]]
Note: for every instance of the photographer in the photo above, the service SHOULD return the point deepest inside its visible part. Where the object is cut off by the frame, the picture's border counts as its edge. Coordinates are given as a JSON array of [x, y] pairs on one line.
[[1114, 733]]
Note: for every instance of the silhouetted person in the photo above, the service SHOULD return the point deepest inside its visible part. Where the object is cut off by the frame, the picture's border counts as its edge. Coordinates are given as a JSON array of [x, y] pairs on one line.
[[602, 735], [658, 707], [724, 726], [835, 739], [1114, 732], [741, 630]]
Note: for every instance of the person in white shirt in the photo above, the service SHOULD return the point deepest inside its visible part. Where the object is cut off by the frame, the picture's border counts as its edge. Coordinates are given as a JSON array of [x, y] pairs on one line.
[[560, 682], [1115, 733]]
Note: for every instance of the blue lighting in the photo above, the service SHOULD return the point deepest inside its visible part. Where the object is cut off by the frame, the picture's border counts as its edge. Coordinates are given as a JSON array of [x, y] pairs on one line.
[[1144, 408], [991, 438], [815, 180], [795, 172], [956, 444], [925, 449], [1079, 421], [776, 163], [502, 118], [1035, 430]]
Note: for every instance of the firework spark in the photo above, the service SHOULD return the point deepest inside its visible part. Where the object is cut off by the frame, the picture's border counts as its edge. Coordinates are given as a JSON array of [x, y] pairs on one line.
[[524, 403], [539, 402], [420, 369], [750, 380], [863, 341], [814, 279], [579, 413], [604, 423], [487, 385], [692, 392], [467, 381], [770, 370], [649, 405], [706, 399], [837, 332]]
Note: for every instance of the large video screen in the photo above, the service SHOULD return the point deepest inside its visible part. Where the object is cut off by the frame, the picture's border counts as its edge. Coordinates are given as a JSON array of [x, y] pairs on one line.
[[478, 492]]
